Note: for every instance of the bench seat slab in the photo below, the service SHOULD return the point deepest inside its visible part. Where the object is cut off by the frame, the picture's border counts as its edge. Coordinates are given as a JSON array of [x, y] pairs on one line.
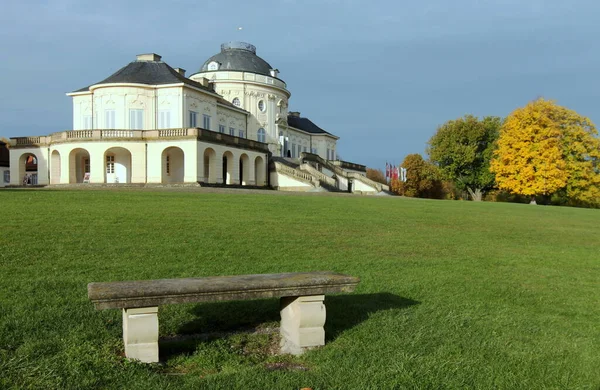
[[147, 293]]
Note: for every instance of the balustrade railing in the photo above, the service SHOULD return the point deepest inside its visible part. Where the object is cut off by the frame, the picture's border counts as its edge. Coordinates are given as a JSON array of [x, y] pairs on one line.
[[117, 134], [293, 172], [78, 134], [172, 133], [319, 175], [98, 134], [28, 140]]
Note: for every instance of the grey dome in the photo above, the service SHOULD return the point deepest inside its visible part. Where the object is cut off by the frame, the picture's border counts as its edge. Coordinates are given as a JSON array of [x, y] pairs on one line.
[[239, 56]]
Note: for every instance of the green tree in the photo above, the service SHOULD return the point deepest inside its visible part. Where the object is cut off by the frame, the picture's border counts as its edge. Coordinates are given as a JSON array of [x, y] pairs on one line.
[[462, 149], [546, 149], [423, 179]]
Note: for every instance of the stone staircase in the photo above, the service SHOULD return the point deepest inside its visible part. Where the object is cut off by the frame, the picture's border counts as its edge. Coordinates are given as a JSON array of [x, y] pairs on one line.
[[309, 169]]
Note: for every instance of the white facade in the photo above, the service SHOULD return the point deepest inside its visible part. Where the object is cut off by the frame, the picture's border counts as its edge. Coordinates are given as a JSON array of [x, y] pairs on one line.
[[149, 124]]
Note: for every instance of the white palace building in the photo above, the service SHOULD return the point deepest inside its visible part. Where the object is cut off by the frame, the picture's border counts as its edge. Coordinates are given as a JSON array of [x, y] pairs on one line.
[[227, 124]]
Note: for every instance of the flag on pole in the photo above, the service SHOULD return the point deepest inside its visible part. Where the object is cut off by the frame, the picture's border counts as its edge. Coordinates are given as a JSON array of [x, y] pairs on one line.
[[387, 170]]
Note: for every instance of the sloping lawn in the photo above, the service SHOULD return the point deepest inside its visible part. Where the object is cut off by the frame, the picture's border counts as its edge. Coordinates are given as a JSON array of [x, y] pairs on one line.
[[452, 294]]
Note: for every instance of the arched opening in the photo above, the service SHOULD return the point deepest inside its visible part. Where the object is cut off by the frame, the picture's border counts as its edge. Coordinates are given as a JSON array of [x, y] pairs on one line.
[[173, 165], [55, 167], [228, 168], [259, 171], [244, 172], [117, 165], [79, 166], [28, 169], [210, 166]]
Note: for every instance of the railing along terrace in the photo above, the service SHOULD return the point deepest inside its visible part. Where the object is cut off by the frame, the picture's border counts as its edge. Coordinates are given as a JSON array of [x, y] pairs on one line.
[[172, 133], [293, 172], [77, 134], [319, 175], [98, 134], [120, 133], [350, 165], [222, 138], [28, 140]]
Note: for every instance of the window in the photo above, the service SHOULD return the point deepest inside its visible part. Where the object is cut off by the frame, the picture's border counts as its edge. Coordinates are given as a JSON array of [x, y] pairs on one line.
[[261, 106], [261, 135], [193, 119], [206, 122], [231, 131], [241, 134], [328, 155], [313, 150], [236, 102], [110, 164], [299, 150], [305, 149], [221, 128], [136, 119], [87, 122], [86, 165], [109, 119], [7, 176], [293, 149], [164, 119], [214, 65], [168, 164]]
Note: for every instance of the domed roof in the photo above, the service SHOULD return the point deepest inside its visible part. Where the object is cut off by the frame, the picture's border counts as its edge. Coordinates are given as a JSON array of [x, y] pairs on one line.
[[239, 56]]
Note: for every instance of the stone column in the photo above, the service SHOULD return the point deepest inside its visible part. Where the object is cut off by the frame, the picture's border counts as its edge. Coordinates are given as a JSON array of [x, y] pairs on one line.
[[138, 163], [97, 166], [140, 334], [65, 168], [235, 170], [302, 320], [190, 165], [218, 165], [251, 171]]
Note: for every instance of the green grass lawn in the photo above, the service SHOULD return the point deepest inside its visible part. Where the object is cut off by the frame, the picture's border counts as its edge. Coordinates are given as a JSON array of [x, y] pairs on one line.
[[452, 294]]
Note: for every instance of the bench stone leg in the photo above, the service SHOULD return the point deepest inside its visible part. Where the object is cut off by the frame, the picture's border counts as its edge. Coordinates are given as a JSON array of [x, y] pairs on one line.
[[302, 320], [140, 334]]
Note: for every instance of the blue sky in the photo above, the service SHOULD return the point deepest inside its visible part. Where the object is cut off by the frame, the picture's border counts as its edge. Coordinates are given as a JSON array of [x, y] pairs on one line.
[[382, 75]]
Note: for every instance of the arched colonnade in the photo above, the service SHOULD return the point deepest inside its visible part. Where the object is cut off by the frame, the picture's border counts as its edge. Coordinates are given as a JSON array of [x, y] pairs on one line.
[[122, 164]]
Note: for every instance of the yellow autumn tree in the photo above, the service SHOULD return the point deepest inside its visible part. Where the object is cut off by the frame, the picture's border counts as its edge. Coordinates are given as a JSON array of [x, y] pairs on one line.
[[544, 148]]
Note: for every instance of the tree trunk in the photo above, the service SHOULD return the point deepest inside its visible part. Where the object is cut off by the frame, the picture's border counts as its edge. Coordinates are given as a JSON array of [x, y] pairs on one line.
[[533, 200], [476, 195]]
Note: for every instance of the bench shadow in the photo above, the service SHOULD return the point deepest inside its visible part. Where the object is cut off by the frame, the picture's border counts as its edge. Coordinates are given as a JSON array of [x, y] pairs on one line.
[[220, 319]]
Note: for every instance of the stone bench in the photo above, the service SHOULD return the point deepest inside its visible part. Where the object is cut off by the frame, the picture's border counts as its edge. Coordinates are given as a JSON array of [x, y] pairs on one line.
[[301, 304]]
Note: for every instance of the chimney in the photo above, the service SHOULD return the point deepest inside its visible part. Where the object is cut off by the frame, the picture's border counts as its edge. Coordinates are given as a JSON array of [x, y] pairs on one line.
[[274, 72], [148, 57], [295, 114], [204, 81], [181, 71]]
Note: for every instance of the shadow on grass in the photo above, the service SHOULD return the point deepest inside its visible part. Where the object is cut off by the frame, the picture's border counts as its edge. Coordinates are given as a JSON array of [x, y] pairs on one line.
[[220, 319]]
